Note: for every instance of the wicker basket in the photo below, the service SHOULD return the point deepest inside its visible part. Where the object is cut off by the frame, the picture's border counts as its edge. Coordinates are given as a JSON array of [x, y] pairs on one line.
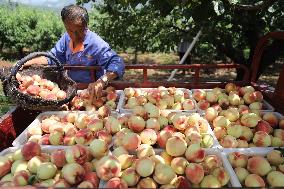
[[55, 74]]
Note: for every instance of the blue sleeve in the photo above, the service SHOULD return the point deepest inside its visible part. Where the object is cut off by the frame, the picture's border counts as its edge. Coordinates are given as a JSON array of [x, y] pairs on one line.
[[110, 61], [59, 51]]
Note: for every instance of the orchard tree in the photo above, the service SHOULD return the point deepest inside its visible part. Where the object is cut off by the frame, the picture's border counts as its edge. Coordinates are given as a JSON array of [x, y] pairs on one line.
[[230, 27]]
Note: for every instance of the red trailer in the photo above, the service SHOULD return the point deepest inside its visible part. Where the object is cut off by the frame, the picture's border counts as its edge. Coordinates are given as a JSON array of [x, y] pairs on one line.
[[16, 120]]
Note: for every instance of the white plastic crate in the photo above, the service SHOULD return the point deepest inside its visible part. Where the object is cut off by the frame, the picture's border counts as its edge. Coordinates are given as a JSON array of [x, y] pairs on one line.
[[123, 99], [268, 107], [226, 164], [23, 137], [210, 131], [249, 152]]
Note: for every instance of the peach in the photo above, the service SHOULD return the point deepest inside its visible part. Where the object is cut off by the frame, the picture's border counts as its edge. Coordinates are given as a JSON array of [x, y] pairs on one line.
[[33, 90], [119, 136], [264, 126], [211, 162], [254, 180], [242, 144], [221, 121], [250, 119], [164, 174], [210, 181], [17, 155], [142, 100], [5, 165], [148, 136], [180, 121], [258, 165], [116, 183], [281, 123], [98, 148], [69, 130], [234, 99], [188, 104], [144, 166], [139, 111], [229, 142], [179, 182], [77, 154], [7, 178], [243, 109], [56, 138], [220, 132], [194, 173], [211, 97], [84, 136], [211, 114], [45, 157], [112, 96], [69, 141], [31, 149], [167, 158], [193, 137], [98, 103], [93, 178], [249, 98], [230, 87], [46, 170], [34, 130], [179, 164], [246, 134], [112, 125], [132, 102], [223, 102], [256, 106], [261, 139], [241, 173], [271, 118], [276, 142], [279, 133], [275, 158], [95, 124], [125, 160], [85, 184], [275, 179], [199, 94], [246, 89], [130, 176], [131, 141], [71, 117], [207, 141], [73, 173], [108, 167], [82, 121], [258, 96], [119, 151], [221, 174], [153, 123], [232, 114], [179, 95], [147, 183], [176, 146], [58, 158], [162, 104], [110, 89], [104, 111], [145, 150], [169, 99], [104, 135], [61, 95], [163, 137], [235, 130], [194, 153], [163, 121], [152, 110], [136, 123], [203, 104], [238, 160], [158, 159], [34, 163]]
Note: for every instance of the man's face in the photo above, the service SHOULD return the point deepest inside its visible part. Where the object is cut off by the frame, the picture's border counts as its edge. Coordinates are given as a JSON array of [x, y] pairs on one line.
[[76, 30]]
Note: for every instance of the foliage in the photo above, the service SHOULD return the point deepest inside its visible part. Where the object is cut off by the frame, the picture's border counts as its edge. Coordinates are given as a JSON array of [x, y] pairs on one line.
[[230, 27], [26, 28]]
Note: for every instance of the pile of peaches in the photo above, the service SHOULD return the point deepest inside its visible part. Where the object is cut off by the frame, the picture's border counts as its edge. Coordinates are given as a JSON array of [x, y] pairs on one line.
[[38, 87], [232, 96], [82, 100], [161, 97], [257, 170]]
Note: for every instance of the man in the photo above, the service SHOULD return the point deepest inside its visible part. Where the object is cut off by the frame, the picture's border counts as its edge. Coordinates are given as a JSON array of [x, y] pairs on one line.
[[80, 46]]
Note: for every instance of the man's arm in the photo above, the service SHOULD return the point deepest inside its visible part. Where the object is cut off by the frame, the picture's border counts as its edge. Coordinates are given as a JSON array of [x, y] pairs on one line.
[[37, 61]]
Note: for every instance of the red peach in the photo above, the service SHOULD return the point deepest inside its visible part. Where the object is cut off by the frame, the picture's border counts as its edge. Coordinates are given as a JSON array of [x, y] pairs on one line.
[[145, 150], [73, 173], [108, 167], [264, 126], [21, 178], [58, 158], [258, 165], [116, 183], [136, 123], [93, 178], [104, 135], [176, 146], [77, 154], [131, 141], [194, 172], [261, 139], [130, 176], [194, 153], [229, 142], [5, 165], [211, 162], [31, 149], [147, 183], [254, 180], [180, 182], [230, 87], [271, 118], [221, 174], [199, 94], [203, 104], [163, 137], [84, 136], [104, 111]]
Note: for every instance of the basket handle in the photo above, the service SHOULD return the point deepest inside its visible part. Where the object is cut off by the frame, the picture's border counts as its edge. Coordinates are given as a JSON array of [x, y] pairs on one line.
[[31, 56]]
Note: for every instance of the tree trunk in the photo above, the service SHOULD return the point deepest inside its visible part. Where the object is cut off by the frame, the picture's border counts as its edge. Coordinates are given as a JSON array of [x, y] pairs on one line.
[[135, 56]]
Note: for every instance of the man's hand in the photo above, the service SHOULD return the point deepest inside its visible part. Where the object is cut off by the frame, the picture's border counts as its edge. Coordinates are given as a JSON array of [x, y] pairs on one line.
[[96, 89]]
